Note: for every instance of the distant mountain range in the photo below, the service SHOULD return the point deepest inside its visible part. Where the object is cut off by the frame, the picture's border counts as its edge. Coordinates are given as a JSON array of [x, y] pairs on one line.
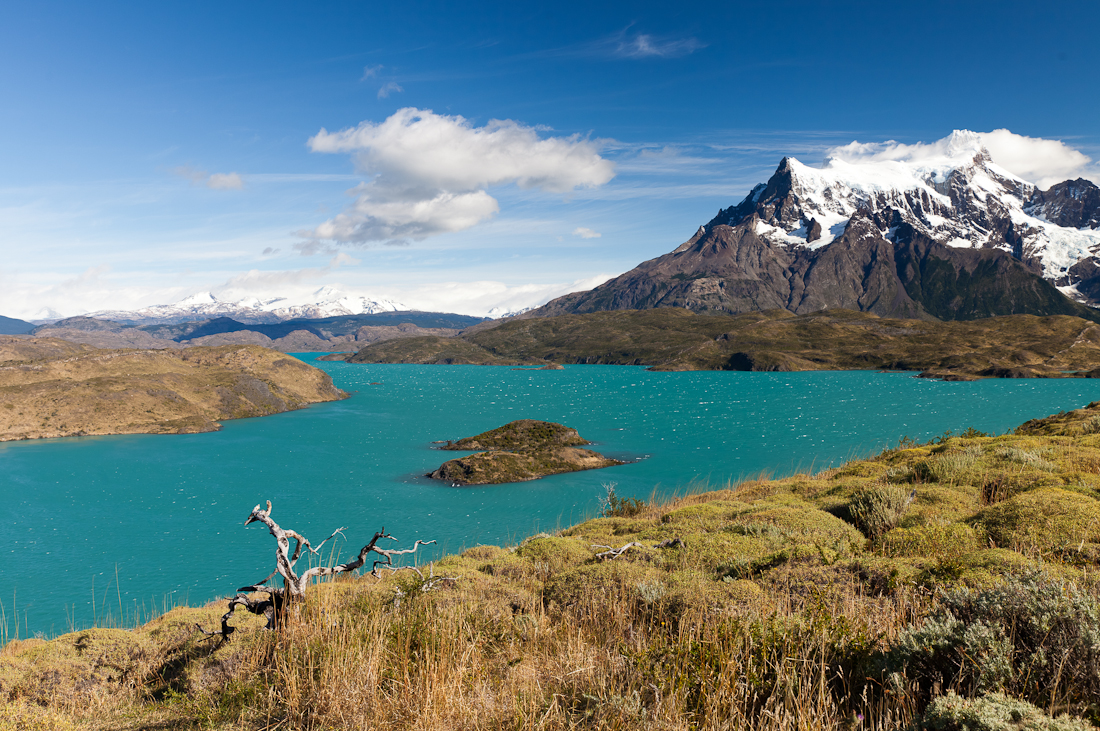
[[12, 326], [324, 302], [345, 332], [950, 237]]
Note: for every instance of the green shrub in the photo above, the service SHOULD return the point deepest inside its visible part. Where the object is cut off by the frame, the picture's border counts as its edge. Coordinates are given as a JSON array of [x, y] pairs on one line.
[[946, 467], [747, 568], [613, 506], [1047, 518], [877, 509], [993, 712], [932, 539], [1028, 457], [1031, 637], [553, 554]]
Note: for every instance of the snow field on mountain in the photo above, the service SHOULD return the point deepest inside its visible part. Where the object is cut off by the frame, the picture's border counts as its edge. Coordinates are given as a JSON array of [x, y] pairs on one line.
[[951, 191]]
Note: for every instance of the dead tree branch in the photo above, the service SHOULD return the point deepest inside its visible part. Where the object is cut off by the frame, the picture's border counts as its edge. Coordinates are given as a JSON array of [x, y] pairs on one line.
[[294, 584], [616, 552], [612, 553]]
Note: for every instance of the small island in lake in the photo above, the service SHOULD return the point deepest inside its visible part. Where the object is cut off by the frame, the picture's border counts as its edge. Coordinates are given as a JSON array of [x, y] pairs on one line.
[[519, 451]]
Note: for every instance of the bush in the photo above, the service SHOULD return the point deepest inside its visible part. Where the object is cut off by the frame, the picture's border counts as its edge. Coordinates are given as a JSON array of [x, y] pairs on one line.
[[1036, 639], [747, 568], [1028, 457], [613, 506], [945, 467], [1043, 519], [993, 712], [875, 510], [936, 540]]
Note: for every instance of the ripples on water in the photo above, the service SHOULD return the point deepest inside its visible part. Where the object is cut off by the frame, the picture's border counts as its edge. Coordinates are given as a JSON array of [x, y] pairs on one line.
[[167, 511]]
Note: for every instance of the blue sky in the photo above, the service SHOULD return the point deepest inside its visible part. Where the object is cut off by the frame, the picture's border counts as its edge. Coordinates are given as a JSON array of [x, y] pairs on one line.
[[154, 150]]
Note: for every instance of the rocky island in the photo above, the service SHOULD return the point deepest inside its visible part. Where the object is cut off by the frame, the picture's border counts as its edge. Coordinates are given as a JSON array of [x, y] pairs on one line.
[[519, 451], [55, 388]]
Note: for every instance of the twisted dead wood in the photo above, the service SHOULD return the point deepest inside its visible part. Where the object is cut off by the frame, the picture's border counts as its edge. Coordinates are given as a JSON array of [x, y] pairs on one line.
[[612, 553], [295, 585]]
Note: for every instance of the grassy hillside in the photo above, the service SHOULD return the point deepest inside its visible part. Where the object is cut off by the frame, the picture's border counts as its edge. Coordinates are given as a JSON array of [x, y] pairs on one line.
[[52, 388], [951, 584], [676, 339]]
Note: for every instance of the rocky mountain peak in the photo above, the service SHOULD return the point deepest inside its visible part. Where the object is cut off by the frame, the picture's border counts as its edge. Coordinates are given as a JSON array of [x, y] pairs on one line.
[[935, 230], [1073, 203]]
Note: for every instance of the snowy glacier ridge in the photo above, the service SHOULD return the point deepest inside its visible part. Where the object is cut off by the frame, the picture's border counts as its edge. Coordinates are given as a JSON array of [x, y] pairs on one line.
[[951, 191], [324, 302]]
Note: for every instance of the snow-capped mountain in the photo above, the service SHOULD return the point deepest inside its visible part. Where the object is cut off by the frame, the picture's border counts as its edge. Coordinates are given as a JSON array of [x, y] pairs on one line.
[[940, 232], [959, 198], [324, 302], [503, 311]]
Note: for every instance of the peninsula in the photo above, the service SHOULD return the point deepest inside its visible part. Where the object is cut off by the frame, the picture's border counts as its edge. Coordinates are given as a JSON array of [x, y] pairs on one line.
[[676, 339], [55, 388], [519, 451]]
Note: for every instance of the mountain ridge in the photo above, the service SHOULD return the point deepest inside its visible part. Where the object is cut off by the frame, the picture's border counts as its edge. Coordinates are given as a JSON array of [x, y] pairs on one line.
[[324, 334], [863, 235], [322, 303]]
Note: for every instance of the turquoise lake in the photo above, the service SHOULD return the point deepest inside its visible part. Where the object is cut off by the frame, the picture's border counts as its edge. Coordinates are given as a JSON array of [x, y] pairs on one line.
[[165, 513]]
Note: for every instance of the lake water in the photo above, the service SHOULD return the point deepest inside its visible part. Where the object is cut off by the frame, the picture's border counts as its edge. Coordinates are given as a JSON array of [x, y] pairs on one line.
[[164, 513]]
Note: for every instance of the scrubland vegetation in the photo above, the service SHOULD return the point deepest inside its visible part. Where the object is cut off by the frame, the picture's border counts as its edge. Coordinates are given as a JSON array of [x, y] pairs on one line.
[[671, 338], [947, 585]]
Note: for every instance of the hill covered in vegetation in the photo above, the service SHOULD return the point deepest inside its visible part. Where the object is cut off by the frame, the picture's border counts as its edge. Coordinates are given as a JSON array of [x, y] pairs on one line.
[[946, 585], [676, 339]]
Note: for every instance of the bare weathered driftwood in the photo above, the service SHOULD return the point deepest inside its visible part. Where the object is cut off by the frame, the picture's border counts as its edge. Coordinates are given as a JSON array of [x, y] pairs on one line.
[[617, 552], [294, 584]]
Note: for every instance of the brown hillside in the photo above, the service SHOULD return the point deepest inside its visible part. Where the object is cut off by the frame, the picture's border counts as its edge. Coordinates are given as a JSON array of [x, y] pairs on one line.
[[51, 388]]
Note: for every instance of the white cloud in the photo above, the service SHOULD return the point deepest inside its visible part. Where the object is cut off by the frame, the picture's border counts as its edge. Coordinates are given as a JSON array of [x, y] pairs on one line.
[[480, 298], [193, 174], [369, 72], [379, 214], [216, 181], [1040, 161], [343, 259], [586, 233], [644, 45], [51, 295], [225, 181], [388, 88], [256, 282], [624, 45], [430, 172]]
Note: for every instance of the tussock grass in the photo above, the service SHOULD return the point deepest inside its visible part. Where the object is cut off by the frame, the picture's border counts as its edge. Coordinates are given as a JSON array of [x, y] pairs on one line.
[[783, 606]]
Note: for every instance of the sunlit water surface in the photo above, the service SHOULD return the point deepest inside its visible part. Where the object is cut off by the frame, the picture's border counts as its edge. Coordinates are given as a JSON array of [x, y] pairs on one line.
[[165, 513]]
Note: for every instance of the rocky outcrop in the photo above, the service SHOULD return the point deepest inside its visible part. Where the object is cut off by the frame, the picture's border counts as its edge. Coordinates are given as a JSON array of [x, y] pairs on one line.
[[733, 269], [1074, 204], [519, 451]]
